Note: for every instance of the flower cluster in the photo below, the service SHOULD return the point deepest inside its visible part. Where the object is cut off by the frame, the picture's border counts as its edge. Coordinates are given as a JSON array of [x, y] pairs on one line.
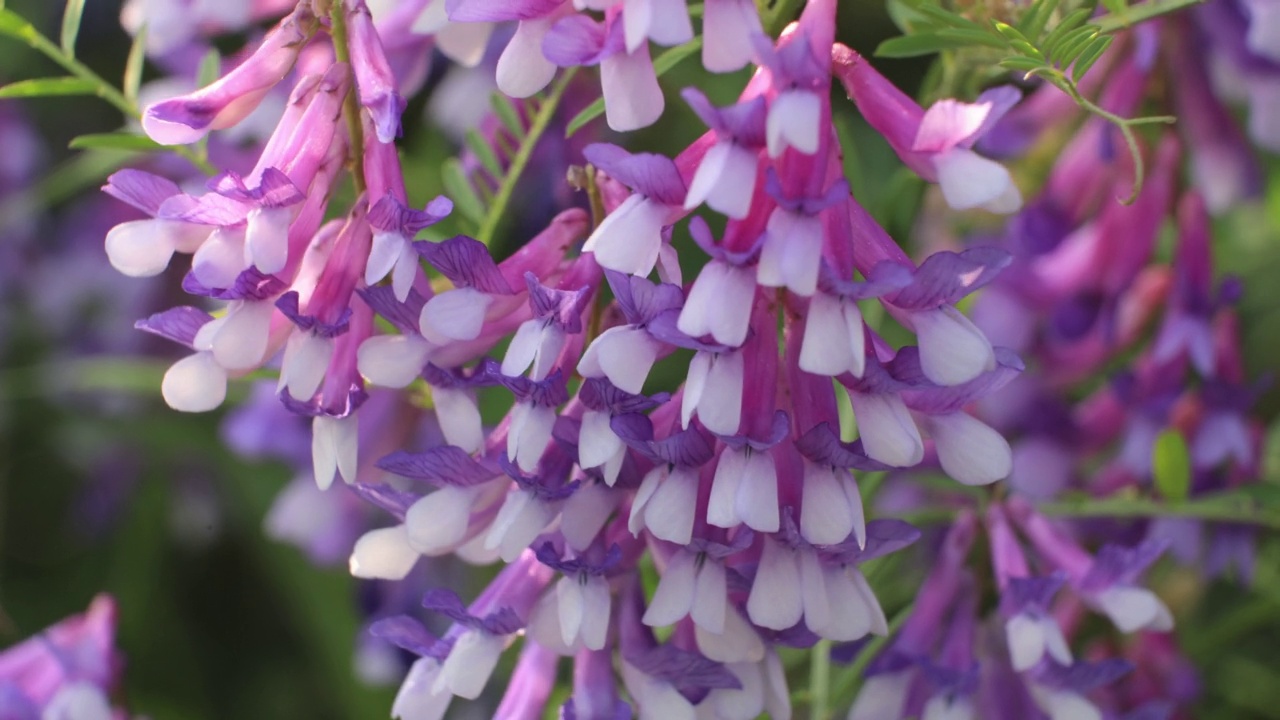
[[519, 410]]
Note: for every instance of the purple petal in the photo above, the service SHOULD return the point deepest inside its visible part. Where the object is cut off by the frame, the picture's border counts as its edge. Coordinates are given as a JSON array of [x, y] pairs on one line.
[[884, 536], [208, 209], [685, 670], [323, 403], [742, 123], [548, 555], [140, 189], [549, 486], [179, 324], [403, 315], [466, 262], [1031, 594], [687, 448], [602, 396], [652, 175], [499, 10], [1084, 677], [551, 392], [564, 307], [937, 400], [446, 465], [780, 428], [252, 284], [288, 305], [823, 446], [886, 277], [391, 215], [384, 496], [950, 123], [458, 378], [805, 204], [742, 540], [1119, 565], [663, 327], [702, 236], [274, 190], [576, 40], [406, 632], [641, 300], [502, 621], [946, 277]]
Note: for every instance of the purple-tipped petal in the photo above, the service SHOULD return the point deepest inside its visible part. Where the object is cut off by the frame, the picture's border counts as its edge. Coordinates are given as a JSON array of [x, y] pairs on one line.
[[406, 632], [466, 262], [822, 445], [446, 465], [577, 40], [691, 673], [654, 176], [940, 400], [886, 277], [884, 536], [502, 621], [1116, 564], [688, 448], [140, 189], [179, 324], [640, 300], [288, 305], [396, 502], [564, 307], [1083, 677], [946, 277], [601, 395], [548, 555], [403, 315]]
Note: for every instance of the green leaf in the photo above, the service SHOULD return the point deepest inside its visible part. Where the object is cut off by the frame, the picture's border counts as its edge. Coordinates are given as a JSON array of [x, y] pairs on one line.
[[1069, 23], [1073, 45], [946, 17], [1090, 56], [71, 18], [1171, 465], [115, 141], [459, 189], [927, 43], [1033, 21], [483, 152], [210, 67], [665, 62], [507, 114], [1022, 64], [46, 87], [1018, 41], [12, 24], [1116, 7], [133, 67]]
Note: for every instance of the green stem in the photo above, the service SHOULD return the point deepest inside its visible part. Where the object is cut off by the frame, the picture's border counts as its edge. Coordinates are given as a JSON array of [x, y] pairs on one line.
[[820, 681], [1135, 14], [350, 104], [103, 89], [541, 120]]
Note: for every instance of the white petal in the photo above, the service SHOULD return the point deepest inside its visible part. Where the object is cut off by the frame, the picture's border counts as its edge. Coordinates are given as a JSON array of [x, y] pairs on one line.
[[529, 434], [407, 267], [952, 349], [597, 443], [569, 603], [392, 361], [637, 16], [632, 97], [969, 450], [722, 510], [454, 315], [725, 180], [834, 341], [745, 703], [879, 623], [141, 248], [888, 433], [757, 498], [792, 252], [669, 513], [738, 643], [648, 486], [969, 180], [628, 239], [947, 707], [777, 696], [729, 47], [670, 24], [416, 699], [710, 596], [626, 355], [522, 68], [306, 357], [220, 259], [544, 625], [695, 385], [813, 592], [470, 663], [674, 597], [1054, 641], [1134, 608], [776, 601], [825, 515], [522, 348], [882, 697], [464, 43], [438, 521], [78, 700], [241, 342], [585, 512], [794, 121], [1064, 704], [669, 266], [266, 238], [459, 418], [383, 254], [334, 446], [1026, 642], [596, 602], [850, 618], [383, 554], [720, 406], [195, 383]]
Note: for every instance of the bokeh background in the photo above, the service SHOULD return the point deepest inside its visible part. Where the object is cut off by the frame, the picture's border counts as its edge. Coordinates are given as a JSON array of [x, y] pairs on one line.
[[103, 488]]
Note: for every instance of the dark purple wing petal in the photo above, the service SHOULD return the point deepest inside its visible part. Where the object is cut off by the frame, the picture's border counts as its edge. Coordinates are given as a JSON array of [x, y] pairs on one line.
[[179, 324]]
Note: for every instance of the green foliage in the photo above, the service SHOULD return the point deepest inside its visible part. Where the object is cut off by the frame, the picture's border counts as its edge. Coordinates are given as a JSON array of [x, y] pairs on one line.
[[133, 66], [115, 141], [48, 87], [661, 65], [71, 18], [1171, 465], [1060, 46]]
